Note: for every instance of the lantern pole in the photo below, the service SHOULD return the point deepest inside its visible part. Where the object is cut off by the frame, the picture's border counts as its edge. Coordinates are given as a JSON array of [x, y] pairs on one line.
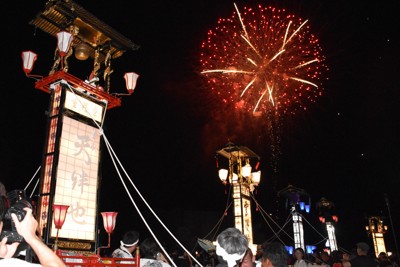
[[109, 221]]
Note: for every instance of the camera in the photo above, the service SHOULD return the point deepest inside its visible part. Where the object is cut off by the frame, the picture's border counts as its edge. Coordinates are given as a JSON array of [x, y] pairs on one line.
[[15, 203]]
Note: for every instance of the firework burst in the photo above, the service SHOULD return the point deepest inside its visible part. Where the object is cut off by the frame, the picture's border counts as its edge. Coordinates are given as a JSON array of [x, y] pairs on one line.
[[263, 60]]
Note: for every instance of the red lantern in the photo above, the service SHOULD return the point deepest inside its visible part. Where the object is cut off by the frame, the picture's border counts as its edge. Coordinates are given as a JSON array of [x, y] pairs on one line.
[[59, 214], [64, 40], [130, 79], [109, 220], [28, 59]]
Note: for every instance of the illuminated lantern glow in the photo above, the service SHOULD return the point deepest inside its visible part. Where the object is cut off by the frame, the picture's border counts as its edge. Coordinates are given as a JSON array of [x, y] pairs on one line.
[[130, 79], [109, 221], [256, 177], [307, 207], [289, 249], [64, 40], [246, 170], [59, 213], [28, 59], [310, 249], [223, 174]]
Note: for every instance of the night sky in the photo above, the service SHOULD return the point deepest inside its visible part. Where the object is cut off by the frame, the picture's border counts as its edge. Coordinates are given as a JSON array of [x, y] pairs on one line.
[[344, 147]]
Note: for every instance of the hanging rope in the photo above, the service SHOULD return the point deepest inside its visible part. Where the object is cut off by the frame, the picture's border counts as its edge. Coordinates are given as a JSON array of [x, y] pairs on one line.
[[264, 214], [37, 182]]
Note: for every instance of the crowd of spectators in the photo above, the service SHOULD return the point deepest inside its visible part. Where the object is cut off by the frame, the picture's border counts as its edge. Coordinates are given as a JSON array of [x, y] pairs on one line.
[[232, 250]]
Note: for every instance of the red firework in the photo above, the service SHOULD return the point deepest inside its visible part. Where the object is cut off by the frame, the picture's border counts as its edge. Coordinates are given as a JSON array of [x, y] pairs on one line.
[[263, 59]]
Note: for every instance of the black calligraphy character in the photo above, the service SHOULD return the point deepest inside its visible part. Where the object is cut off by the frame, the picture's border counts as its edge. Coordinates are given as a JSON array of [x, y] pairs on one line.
[[79, 180], [82, 146], [78, 213]]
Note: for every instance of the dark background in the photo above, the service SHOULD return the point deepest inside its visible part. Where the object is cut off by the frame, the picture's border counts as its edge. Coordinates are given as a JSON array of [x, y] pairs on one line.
[[344, 148]]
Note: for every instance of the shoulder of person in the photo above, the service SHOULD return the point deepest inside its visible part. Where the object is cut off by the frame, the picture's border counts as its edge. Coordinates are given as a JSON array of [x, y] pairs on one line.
[[303, 262], [153, 263], [116, 250], [116, 253], [147, 262]]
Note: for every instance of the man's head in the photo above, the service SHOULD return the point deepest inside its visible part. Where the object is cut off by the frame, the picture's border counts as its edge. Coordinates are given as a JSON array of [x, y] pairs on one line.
[[298, 253], [383, 256], [362, 248], [130, 240], [231, 245], [274, 255], [248, 259], [325, 256], [149, 248]]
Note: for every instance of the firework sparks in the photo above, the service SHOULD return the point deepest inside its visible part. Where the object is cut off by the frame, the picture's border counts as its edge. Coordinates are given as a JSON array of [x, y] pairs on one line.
[[264, 59]]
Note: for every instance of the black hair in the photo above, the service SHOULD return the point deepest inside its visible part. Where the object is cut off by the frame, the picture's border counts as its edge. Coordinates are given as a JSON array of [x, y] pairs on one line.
[[130, 237], [275, 253], [149, 249]]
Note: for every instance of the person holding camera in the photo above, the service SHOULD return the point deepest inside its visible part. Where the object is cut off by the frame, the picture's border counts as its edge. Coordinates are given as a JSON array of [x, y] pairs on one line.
[[27, 229]]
